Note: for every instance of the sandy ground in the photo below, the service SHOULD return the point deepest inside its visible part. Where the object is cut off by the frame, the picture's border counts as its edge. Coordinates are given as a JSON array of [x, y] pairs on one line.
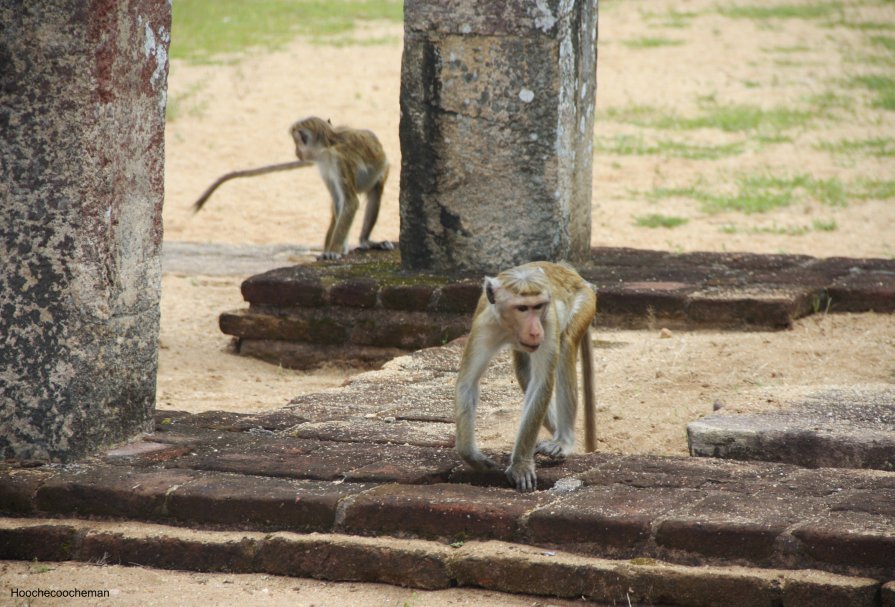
[[139, 587], [234, 116]]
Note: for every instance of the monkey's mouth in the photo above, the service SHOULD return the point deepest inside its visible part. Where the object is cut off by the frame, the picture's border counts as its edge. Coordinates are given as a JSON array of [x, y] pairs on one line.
[[529, 347]]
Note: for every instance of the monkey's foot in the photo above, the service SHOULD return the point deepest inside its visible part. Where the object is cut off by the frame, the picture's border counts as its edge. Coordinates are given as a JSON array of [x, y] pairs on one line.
[[478, 461], [522, 476], [385, 245], [329, 255], [554, 449]]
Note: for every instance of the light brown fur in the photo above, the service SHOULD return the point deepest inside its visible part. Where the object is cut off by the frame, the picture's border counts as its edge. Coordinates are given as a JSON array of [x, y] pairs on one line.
[[543, 311], [351, 162]]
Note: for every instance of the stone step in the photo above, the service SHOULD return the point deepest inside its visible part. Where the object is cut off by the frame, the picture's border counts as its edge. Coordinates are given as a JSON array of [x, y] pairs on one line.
[[681, 510], [367, 301], [491, 565], [848, 428]]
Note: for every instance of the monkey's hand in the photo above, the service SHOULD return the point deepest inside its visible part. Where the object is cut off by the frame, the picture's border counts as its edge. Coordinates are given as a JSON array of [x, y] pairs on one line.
[[478, 460], [329, 255], [522, 475]]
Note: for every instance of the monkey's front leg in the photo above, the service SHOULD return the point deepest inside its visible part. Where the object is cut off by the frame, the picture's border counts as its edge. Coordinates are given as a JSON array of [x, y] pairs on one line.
[[521, 472], [464, 414]]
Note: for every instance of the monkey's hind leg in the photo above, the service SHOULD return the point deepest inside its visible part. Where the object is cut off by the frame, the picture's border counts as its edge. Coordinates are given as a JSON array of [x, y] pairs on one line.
[[371, 214]]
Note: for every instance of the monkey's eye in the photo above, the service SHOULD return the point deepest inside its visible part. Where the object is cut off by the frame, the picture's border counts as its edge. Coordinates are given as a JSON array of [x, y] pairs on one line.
[[522, 308], [538, 307], [304, 137]]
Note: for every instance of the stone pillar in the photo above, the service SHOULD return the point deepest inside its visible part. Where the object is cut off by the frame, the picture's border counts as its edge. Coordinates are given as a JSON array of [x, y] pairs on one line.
[[497, 105], [82, 100]]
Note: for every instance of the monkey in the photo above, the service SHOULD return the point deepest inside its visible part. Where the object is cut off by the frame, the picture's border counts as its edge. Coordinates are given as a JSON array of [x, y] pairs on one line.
[[350, 161], [543, 312]]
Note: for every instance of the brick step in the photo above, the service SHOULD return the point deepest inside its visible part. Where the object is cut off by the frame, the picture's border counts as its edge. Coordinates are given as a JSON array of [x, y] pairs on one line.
[[491, 565], [681, 510]]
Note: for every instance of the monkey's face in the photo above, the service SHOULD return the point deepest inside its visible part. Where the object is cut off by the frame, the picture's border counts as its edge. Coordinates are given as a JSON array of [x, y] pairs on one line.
[[303, 141], [524, 318], [522, 315], [528, 315]]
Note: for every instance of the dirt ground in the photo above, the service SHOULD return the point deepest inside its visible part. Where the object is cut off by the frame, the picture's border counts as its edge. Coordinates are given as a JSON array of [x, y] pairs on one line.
[[234, 116]]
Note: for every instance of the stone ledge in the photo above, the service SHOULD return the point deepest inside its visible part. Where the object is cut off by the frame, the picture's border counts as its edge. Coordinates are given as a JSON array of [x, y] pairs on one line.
[[420, 564], [839, 428], [365, 306]]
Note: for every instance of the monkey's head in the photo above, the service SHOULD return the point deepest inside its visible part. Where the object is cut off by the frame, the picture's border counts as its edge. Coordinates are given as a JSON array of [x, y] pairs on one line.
[[521, 298], [311, 135]]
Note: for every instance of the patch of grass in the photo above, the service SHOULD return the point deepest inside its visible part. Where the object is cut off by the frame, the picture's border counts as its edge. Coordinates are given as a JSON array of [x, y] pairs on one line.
[[761, 193], [744, 117], [817, 226], [887, 42], [873, 189], [870, 26], [206, 30], [882, 86], [735, 118], [880, 147], [825, 102], [631, 145], [656, 220], [783, 11], [791, 49], [824, 225], [647, 43], [672, 18]]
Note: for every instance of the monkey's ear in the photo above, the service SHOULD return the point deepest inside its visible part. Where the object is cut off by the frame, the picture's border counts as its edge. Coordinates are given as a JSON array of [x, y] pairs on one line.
[[491, 285]]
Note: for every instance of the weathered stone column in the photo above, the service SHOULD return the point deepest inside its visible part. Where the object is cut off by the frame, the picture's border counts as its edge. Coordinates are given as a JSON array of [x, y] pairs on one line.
[[497, 103], [82, 99]]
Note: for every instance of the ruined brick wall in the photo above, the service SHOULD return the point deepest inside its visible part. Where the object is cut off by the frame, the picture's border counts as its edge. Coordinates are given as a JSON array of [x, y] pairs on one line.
[[82, 99], [497, 103]]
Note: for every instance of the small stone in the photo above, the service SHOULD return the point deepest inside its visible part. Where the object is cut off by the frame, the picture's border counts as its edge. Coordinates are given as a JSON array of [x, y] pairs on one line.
[[665, 333]]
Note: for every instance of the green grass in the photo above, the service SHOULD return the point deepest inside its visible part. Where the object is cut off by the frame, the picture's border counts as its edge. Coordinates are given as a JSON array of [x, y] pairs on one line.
[[887, 42], [206, 30], [824, 102], [631, 145], [784, 11], [880, 147], [659, 221], [824, 225], [882, 86], [734, 118], [762, 192], [818, 225], [647, 43]]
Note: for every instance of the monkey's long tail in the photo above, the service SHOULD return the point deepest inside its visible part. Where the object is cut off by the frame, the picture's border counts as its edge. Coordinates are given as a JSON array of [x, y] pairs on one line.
[[590, 413], [271, 168]]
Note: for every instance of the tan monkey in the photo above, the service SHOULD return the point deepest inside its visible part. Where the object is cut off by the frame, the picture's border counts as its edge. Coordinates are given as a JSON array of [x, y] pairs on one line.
[[543, 311], [351, 162]]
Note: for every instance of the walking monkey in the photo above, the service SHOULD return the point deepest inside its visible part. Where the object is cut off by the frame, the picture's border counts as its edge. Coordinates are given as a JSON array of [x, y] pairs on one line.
[[543, 311], [350, 161]]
